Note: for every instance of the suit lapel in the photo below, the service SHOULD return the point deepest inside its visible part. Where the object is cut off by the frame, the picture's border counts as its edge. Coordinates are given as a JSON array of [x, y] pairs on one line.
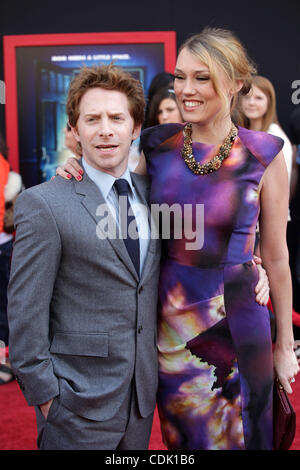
[[91, 198], [142, 187]]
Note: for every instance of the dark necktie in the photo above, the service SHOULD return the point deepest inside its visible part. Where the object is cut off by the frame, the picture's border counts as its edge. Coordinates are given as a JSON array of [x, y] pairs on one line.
[[132, 245]]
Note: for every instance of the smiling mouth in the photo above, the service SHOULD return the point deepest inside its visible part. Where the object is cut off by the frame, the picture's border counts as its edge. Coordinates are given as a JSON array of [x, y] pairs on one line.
[[190, 104]]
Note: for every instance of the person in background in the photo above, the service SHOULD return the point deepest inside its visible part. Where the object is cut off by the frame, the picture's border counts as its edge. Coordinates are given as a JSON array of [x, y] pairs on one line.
[[163, 108], [10, 186], [260, 114], [160, 81]]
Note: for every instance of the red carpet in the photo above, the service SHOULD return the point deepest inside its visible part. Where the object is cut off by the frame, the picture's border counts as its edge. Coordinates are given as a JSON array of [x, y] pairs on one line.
[[18, 430]]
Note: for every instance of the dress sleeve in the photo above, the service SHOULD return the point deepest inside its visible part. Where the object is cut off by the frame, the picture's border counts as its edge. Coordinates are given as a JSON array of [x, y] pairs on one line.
[[146, 142], [262, 145], [152, 137]]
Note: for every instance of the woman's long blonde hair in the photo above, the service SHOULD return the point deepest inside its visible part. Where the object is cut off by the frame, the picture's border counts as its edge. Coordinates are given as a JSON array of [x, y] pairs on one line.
[[219, 48]]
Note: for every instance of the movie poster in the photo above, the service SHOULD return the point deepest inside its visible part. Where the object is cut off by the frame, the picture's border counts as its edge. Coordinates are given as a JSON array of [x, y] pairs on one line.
[[43, 76]]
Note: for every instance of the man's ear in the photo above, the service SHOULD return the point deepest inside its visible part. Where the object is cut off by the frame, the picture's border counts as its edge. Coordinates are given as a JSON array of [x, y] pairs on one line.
[[136, 131], [75, 133]]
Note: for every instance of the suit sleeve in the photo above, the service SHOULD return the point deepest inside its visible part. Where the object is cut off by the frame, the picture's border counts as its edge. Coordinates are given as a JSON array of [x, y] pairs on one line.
[[35, 262]]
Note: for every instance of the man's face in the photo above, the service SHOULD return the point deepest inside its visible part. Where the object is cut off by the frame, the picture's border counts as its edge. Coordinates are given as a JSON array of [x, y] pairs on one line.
[[105, 130]]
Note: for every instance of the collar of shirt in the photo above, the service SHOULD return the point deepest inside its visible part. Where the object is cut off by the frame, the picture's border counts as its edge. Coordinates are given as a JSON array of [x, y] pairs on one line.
[[105, 181]]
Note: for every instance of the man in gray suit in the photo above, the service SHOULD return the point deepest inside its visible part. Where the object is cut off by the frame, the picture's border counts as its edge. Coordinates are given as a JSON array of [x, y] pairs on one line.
[[82, 305]]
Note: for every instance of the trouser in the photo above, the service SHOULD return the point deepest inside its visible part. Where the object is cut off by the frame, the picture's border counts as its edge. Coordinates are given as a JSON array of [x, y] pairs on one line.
[[5, 261], [64, 430]]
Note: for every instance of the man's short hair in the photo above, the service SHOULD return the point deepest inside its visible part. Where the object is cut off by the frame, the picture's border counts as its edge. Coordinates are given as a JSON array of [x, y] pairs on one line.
[[108, 77]]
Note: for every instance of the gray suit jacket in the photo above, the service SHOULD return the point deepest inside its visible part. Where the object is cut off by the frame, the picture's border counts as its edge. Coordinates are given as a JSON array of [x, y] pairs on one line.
[[82, 324]]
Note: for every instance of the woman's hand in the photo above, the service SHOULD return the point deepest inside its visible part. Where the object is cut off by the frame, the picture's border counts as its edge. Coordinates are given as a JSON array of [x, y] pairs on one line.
[[262, 289], [286, 367], [69, 169]]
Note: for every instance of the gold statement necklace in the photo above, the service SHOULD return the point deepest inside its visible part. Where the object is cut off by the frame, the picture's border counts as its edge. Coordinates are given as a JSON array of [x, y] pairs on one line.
[[213, 164]]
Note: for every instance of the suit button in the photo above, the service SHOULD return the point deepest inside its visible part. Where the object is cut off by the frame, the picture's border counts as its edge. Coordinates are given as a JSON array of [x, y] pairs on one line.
[[140, 328], [141, 289]]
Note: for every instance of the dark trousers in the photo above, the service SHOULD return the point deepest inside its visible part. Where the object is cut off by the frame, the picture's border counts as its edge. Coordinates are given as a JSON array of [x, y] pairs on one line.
[[5, 261]]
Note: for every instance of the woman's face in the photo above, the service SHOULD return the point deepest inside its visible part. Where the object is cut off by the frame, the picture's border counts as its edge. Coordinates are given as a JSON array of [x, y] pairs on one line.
[[168, 112], [197, 98], [255, 103]]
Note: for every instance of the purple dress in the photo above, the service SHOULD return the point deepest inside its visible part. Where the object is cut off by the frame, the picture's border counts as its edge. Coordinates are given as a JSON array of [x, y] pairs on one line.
[[214, 340]]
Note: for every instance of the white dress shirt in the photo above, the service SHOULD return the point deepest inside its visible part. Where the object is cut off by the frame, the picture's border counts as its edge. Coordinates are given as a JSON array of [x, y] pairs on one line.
[[105, 183]]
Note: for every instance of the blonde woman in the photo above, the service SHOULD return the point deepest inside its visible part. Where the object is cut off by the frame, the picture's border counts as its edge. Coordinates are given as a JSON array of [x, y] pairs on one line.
[[214, 343]]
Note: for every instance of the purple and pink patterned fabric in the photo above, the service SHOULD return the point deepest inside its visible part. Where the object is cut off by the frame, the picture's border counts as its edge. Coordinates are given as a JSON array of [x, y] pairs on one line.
[[214, 340]]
